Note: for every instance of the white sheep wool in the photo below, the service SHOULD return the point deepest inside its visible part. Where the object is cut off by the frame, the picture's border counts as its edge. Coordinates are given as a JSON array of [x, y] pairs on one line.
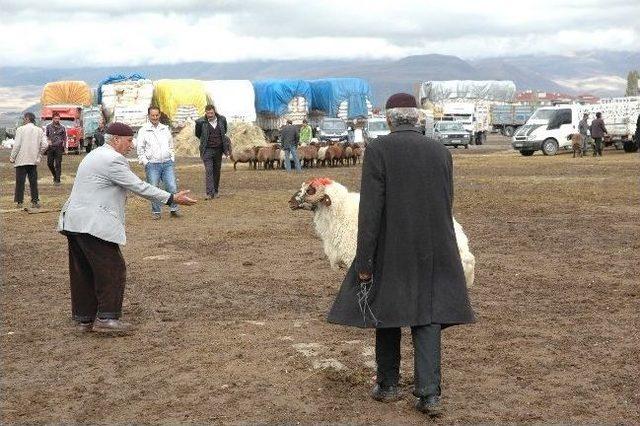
[[337, 225]]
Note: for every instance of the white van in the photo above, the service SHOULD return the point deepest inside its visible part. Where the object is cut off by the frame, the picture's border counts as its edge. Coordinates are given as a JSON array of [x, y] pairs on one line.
[[548, 128], [375, 128]]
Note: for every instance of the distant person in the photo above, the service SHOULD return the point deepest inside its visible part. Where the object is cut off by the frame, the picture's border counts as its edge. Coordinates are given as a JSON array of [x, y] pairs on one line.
[[93, 220], [358, 135], [212, 132], [154, 144], [350, 134], [57, 135], [30, 143], [305, 133], [289, 138], [98, 136], [583, 129], [598, 131]]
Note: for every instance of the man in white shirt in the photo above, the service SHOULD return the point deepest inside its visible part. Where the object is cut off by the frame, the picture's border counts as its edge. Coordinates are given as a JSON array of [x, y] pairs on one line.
[[154, 144]]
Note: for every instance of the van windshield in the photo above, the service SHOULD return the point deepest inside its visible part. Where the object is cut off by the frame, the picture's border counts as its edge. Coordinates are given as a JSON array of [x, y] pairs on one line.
[[334, 125], [450, 126], [543, 114], [376, 126]]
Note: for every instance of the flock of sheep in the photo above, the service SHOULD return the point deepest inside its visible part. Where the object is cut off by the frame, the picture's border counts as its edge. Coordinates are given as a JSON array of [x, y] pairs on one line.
[[316, 154]]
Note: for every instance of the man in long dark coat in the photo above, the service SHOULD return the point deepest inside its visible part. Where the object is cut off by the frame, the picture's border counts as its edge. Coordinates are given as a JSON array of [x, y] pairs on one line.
[[407, 271]]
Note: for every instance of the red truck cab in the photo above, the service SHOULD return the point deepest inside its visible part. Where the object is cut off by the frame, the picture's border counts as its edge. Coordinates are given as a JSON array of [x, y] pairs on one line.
[[71, 119]]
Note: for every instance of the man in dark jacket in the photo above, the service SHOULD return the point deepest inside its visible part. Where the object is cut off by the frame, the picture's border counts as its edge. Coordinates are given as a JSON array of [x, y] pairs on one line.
[[57, 136], [598, 131], [289, 139], [407, 271], [212, 132]]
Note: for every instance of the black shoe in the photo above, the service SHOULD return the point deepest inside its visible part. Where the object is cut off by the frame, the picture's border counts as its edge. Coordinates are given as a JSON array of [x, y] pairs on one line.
[[56, 183], [176, 214], [429, 404], [216, 195], [384, 393]]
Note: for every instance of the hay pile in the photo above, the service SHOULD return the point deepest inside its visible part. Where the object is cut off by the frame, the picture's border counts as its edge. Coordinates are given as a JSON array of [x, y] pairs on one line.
[[185, 142], [244, 136]]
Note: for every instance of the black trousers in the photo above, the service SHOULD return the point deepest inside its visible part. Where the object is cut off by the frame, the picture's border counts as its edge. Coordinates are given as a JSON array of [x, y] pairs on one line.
[[54, 161], [97, 273], [212, 158], [22, 172], [426, 357]]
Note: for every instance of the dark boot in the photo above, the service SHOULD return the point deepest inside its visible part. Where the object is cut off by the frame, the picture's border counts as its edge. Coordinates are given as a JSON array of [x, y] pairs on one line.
[[430, 405], [385, 393]]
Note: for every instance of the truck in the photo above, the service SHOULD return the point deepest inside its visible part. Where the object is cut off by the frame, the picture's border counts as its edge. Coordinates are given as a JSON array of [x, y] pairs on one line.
[[80, 122], [346, 98], [549, 127], [507, 118], [466, 101], [278, 101]]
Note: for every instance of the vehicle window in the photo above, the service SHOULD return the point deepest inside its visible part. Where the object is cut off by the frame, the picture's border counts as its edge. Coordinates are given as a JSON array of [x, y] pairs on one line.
[[543, 114], [450, 126], [561, 116], [377, 126], [334, 126]]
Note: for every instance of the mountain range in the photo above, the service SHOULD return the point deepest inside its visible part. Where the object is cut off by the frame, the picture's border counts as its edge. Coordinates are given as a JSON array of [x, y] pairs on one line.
[[602, 73]]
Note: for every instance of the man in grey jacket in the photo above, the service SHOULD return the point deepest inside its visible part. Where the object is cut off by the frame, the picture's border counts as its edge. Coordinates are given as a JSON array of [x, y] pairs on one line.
[[29, 146], [93, 221], [598, 131]]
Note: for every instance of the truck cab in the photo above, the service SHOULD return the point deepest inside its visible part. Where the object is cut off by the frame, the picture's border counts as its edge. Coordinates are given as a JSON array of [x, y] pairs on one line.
[[333, 130], [71, 119], [547, 130], [375, 128]]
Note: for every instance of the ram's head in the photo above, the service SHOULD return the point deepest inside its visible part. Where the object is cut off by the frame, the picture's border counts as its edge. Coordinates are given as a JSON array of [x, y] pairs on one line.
[[311, 194]]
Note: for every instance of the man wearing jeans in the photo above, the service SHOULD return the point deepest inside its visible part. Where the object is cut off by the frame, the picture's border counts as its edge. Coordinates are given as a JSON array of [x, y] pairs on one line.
[[155, 152], [289, 138]]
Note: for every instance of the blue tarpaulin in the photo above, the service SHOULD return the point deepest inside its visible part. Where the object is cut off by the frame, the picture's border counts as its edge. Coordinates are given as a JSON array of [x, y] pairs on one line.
[[328, 93], [116, 78], [273, 96]]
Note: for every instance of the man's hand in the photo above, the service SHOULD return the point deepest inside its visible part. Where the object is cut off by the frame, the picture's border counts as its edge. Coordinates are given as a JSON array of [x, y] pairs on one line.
[[12, 160], [364, 276], [182, 198]]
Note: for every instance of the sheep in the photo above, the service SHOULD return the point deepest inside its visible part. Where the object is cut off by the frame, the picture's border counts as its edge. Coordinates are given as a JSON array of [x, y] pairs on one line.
[[268, 155], [336, 223], [576, 143], [308, 154], [247, 155], [322, 155], [357, 154], [334, 154]]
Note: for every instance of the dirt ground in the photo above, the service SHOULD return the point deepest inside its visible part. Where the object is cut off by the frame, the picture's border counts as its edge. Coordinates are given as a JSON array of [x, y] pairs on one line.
[[229, 305]]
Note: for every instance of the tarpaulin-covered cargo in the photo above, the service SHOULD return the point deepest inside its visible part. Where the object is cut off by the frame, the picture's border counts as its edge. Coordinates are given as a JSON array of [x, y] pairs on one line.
[[235, 99], [66, 92], [180, 100], [281, 100], [345, 98], [118, 78], [489, 90], [126, 100]]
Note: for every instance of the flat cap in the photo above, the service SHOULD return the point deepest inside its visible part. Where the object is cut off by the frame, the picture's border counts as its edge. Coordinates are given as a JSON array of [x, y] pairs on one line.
[[401, 100], [119, 129]]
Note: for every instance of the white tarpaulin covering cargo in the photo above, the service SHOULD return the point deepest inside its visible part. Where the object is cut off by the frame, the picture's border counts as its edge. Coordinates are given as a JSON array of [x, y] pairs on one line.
[[127, 101], [488, 90], [235, 99], [297, 110]]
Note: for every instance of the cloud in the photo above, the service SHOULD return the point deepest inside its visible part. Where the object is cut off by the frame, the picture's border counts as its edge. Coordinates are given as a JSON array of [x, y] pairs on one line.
[[78, 33]]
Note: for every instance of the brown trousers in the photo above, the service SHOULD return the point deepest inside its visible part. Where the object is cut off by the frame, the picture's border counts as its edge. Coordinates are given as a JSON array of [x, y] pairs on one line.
[[98, 274]]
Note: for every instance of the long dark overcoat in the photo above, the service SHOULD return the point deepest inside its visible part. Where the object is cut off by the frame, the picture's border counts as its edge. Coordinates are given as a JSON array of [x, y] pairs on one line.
[[405, 238]]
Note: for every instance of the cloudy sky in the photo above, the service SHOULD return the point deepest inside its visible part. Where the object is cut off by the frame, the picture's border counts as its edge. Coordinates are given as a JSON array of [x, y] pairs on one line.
[[69, 33]]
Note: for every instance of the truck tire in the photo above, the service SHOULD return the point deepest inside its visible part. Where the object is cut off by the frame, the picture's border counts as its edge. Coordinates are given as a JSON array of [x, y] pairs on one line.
[[550, 147], [526, 153], [509, 131], [630, 146]]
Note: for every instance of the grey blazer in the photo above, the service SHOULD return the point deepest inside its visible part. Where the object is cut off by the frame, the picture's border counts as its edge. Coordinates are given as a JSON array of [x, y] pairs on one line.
[[96, 205]]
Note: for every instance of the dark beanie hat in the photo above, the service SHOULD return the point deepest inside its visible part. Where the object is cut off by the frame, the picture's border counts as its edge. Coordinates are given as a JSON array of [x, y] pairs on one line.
[[401, 100], [119, 129]]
